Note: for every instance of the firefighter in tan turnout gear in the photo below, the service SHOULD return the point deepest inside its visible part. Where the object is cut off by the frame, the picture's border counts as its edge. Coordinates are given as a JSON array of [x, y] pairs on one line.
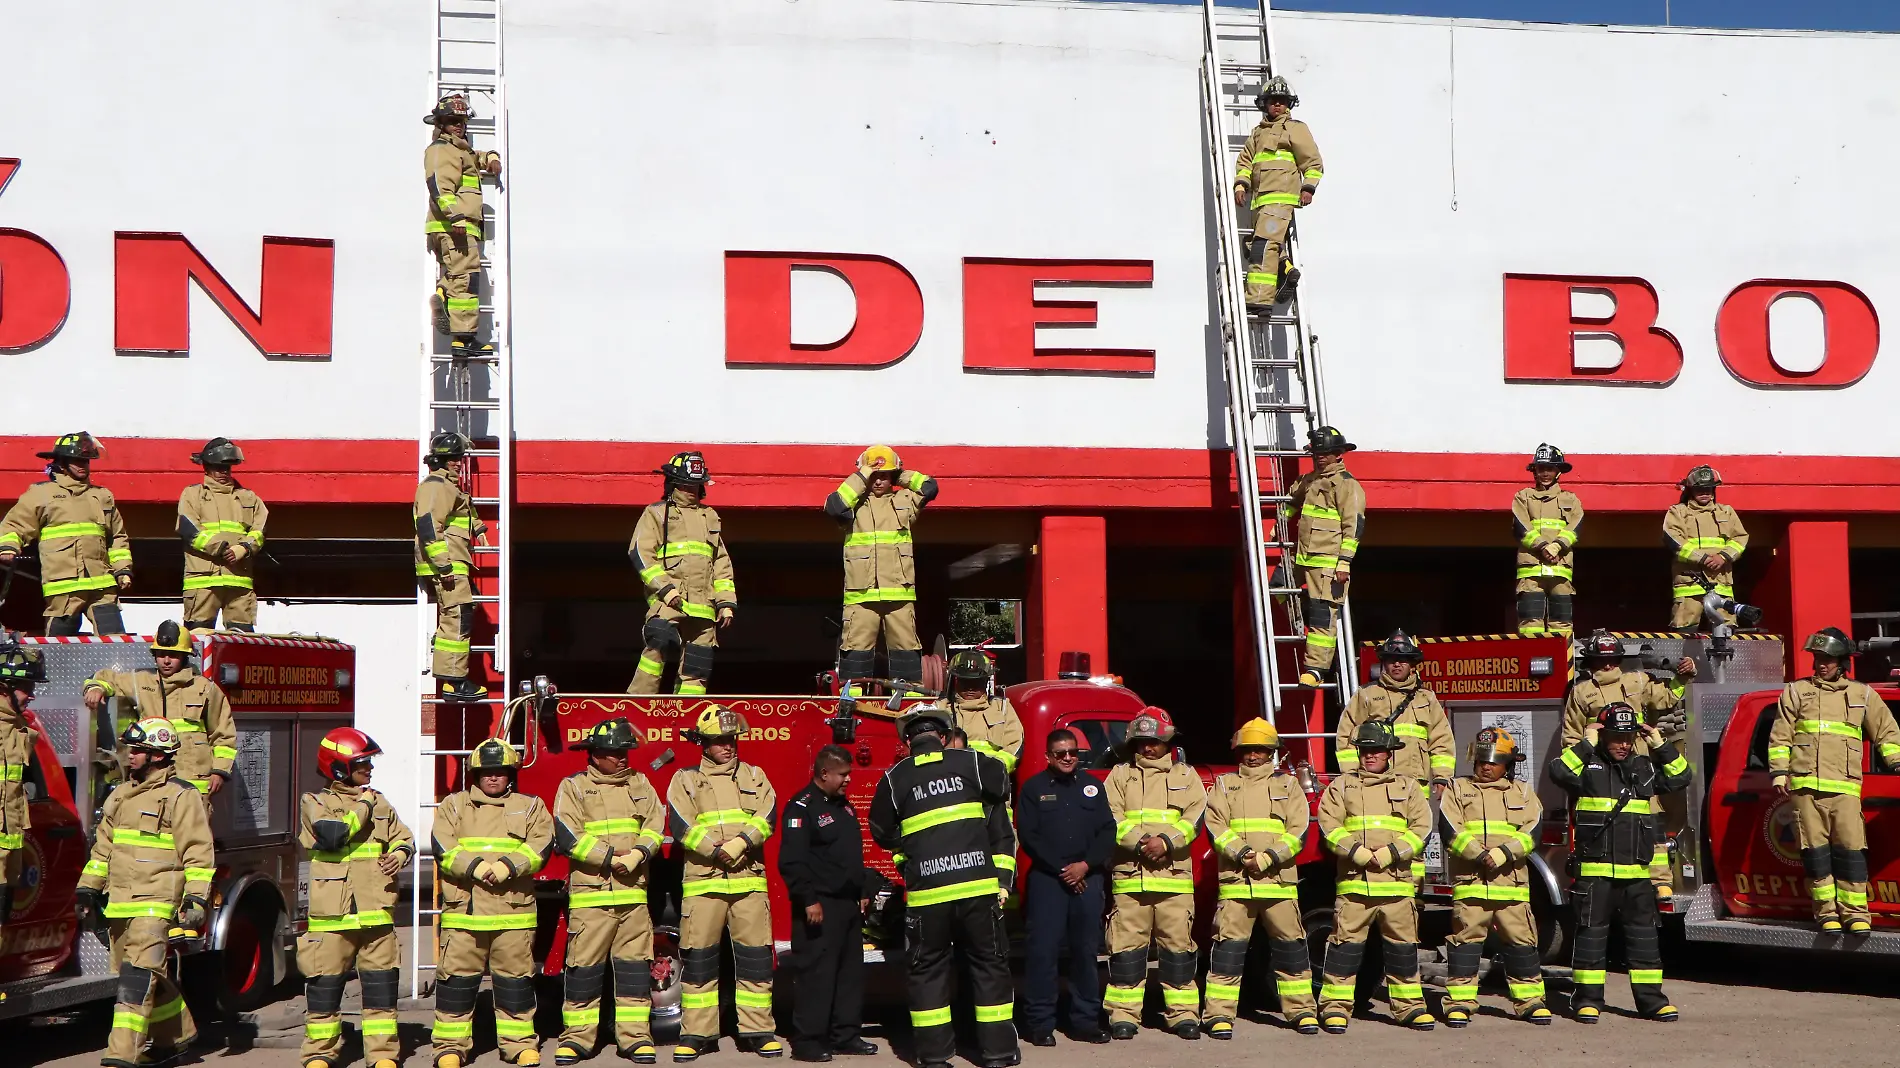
[[454, 223], [194, 705], [1375, 821], [21, 669], [1257, 817], [355, 844], [489, 842], [1158, 806], [609, 823], [446, 525], [877, 505], [1399, 698], [222, 526], [1491, 823], [986, 717], [149, 877], [85, 555], [680, 554], [1544, 519], [1707, 539], [1330, 507], [1822, 723], [1277, 171], [721, 814]]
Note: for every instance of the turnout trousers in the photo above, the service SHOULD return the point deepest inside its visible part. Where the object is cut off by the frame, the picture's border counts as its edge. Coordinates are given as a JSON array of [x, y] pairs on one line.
[[975, 924], [454, 623], [1354, 916], [1833, 838], [508, 957], [704, 920], [896, 623], [1473, 919], [150, 1008], [458, 258], [326, 959], [1234, 923], [1325, 597], [1265, 251], [619, 937], [238, 604], [1598, 902], [65, 611], [1546, 605], [1167, 920], [698, 638]]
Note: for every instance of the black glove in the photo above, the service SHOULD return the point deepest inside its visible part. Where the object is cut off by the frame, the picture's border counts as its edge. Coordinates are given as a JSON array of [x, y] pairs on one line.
[[91, 906]]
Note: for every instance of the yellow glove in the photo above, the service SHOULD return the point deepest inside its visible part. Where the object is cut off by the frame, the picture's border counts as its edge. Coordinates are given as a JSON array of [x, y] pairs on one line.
[[1002, 899], [627, 863], [1361, 857], [735, 847]]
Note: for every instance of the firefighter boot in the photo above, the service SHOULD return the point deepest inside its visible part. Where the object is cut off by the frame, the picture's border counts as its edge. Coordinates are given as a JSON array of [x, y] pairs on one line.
[[464, 347], [461, 690]]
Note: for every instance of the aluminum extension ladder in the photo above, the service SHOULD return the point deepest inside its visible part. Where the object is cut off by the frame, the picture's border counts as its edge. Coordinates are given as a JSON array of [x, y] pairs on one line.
[[475, 397], [1275, 391]]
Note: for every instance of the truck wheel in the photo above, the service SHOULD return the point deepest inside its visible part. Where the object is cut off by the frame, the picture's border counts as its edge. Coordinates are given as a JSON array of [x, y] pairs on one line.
[[247, 964], [1556, 925], [666, 979]]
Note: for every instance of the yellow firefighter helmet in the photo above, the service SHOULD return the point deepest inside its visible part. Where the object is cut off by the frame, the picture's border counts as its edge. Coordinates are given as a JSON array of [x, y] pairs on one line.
[[880, 458], [171, 639], [1256, 732], [718, 721], [1494, 745]]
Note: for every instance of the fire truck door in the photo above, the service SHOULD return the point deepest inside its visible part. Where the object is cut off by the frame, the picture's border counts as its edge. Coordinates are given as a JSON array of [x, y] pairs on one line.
[[1880, 802]]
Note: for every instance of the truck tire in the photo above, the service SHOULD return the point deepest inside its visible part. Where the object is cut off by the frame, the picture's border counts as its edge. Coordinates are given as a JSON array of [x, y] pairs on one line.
[[666, 979], [245, 971]]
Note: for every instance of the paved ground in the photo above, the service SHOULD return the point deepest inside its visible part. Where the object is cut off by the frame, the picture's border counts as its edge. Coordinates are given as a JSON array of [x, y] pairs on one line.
[[1739, 1009]]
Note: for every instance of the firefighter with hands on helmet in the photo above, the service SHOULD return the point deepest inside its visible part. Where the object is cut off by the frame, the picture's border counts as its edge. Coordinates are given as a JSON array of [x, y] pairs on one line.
[[446, 525], [489, 842], [454, 223], [1614, 788], [1158, 804], [1277, 171], [985, 716], [1822, 723], [1545, 518], [1331, 511], [1399, 698], [1257, 817], [149, 878], [355, 843], [1707, 538], [721, 813], [85, 555], [194, 705], [222, 526], [1491, 823], [681, 558], [933, 811], [21, 669], [877, 504], [1375, 820], [609, 823]]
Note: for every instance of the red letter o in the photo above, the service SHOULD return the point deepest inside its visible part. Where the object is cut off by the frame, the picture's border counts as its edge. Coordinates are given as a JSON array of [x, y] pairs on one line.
[[1852, 330]]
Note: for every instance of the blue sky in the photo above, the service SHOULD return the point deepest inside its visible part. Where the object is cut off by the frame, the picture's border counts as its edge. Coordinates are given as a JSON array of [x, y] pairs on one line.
[[1765, 14]]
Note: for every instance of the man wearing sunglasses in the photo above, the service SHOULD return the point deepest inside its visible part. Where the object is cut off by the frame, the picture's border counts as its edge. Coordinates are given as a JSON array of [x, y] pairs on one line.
[[1066, 829]]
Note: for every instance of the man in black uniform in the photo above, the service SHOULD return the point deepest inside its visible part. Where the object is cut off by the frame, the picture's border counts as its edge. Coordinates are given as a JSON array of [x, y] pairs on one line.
[[821, 859], [934, 807], [1614, 792], [1063, 819]]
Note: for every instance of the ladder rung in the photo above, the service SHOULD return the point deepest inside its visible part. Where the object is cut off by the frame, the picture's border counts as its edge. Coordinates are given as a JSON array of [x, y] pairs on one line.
[[1279, 452], [471, 405], [1278, 406], [1321, 686], [1274, 363], [1272, 320], [488, 501], [497, 548], [436, 358]]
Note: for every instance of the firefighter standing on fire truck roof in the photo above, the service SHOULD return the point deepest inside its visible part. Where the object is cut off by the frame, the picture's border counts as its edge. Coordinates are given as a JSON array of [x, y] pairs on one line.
[[1278, 170], [1331, 510], [1613, 791], [356, 843], [1399, 698], [609, 822], [222, 526], [877, 505], [454, 223], [986, 717], [192, 703], [1257, 816], [721, 814], [21, 669], [1814, 753], [489, 842], [1491, 820], [1158, 805], [1707, 538], [85, 555], [1375, 820], [149, 877], [1545, 518], [445, 525], [680, 554]]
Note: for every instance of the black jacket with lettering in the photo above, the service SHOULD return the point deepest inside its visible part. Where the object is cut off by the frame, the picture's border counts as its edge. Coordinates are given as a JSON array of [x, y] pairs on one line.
[[935, 810], [1613, 803]]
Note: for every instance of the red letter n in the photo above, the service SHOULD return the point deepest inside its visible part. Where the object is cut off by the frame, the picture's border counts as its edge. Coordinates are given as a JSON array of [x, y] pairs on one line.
[[152, 301], [1541, 331]]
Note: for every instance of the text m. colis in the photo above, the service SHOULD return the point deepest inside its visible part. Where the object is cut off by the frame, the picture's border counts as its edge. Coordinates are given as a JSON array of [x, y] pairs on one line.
[[937, 788]]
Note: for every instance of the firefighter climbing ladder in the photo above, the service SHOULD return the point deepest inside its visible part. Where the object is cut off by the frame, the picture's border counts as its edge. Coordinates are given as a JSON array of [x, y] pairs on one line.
[[1275, 393], [474, 397]]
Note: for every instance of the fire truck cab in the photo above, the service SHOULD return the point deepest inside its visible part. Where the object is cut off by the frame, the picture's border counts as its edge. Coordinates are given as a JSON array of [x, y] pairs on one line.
[[285, 693]]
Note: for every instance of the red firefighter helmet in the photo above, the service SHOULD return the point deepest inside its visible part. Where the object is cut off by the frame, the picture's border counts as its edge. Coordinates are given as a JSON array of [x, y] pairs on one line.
[[341, 749]]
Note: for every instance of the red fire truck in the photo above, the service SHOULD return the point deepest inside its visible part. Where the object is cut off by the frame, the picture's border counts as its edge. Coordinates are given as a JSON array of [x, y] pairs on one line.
[[285, 693]]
